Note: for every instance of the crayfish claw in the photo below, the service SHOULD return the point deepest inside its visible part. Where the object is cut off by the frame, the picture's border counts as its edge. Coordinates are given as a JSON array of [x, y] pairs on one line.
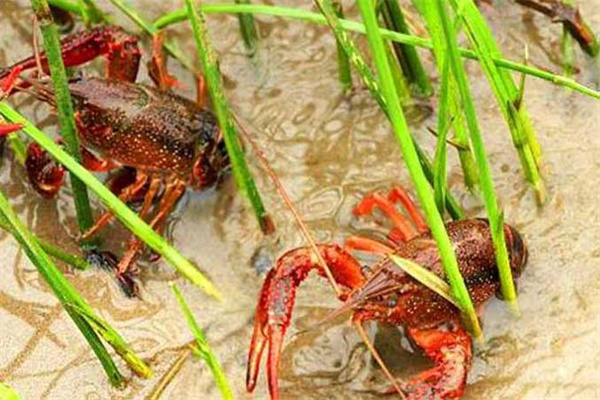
[[45, 174], [257, 347], [276, 335]]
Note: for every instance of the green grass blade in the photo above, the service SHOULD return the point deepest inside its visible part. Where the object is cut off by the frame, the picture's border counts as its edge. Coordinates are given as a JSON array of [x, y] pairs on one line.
[[59, 285], [566, 48], [461, 136], [440, 158], [248, 29], [407, 55], [506, 92], [129, 218], [210, 68], [91, 13], [372, 85], [487, 184], [425, 277], [8, 393], [64, 105], [452, 206], [426, 199], [203, 349], [344, 71], [112, 337], [303, 15]]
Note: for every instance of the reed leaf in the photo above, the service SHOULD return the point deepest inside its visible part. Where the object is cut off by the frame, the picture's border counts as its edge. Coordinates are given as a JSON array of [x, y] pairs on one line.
[[210, 67], [440, 158], [566, 47], [455, 110], [248, 30], [372, 85], [202, 348], [426, 199], [64, 105], [344, 71], [506, 92], [129, 218], [406, 55], [487, 185], [426, 278]]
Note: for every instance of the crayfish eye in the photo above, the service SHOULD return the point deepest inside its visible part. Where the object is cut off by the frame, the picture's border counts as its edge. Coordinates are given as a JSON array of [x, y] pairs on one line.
[[392, 301]]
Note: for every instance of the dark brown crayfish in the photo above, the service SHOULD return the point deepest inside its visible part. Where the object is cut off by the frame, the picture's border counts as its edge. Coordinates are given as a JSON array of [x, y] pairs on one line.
[[170, 142]]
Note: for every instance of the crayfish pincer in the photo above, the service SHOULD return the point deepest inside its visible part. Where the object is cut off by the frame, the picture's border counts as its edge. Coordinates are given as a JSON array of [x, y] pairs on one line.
[[389, 295], [169, 142]]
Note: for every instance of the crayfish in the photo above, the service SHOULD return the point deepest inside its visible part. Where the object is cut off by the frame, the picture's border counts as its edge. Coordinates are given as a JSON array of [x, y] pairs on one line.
[[162, 142], [387, 294]]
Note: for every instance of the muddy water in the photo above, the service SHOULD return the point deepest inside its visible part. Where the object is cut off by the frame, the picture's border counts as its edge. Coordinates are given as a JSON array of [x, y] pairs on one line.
[[327, 151]]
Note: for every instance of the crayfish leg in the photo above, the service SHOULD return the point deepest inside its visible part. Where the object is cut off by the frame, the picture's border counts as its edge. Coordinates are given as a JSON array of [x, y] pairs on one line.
[[277, 299], [172, 194], [402, 229], [126, 195], [366, 244], [451, 351], [157, 66]]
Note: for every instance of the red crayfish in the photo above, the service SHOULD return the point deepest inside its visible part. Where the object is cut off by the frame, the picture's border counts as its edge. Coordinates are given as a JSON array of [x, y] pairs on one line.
[[387, 294], [164, 139]]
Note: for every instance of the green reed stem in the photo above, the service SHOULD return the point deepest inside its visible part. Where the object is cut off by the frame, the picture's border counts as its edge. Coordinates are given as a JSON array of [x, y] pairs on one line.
[[66, 294], [248, 29], [203, 349], [455, 111], [210, 67], [152, 30], [372, 85], [91, 13], [401, 130], [495, 215], [566, 46], [302, 15], [452, 206], [344, 71], [443, 125], [129, 218], [407, 55], [506, 92], [64, 104]]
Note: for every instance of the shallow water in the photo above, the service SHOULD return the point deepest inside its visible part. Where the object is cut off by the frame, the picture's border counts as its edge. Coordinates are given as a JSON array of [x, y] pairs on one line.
[[327, 151]]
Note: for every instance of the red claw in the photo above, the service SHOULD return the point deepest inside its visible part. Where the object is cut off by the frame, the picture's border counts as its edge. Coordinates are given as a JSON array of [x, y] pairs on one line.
[[45, 174], [277, 298]]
